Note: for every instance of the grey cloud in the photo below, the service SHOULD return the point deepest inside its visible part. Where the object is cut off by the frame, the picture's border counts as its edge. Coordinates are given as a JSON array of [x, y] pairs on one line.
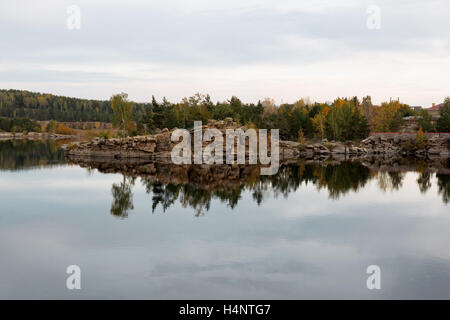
[[53, 75], [233, 37]]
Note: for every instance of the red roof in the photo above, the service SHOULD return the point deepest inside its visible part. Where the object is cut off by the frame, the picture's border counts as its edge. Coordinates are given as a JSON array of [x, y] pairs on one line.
[[436, 107]]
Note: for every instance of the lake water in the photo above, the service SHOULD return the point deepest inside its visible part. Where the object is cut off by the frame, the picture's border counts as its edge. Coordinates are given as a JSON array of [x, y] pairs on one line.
[[309, 232]]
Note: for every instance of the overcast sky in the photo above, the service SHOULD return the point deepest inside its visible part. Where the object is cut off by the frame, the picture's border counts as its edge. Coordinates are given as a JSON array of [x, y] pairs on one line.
[[284, 49]]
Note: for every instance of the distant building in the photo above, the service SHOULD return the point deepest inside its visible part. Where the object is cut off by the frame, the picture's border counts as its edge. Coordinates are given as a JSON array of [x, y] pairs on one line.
[[411, 123], [434, 110], [416, 108]]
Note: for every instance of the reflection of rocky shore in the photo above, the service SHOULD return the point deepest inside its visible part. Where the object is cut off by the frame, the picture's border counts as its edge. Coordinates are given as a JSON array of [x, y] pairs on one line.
[[196, 185], [407, 164], [208, 177], [218, 176], [337, 167]]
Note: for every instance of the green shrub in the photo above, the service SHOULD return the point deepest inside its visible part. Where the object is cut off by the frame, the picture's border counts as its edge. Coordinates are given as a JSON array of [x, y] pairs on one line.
[[104, 135]]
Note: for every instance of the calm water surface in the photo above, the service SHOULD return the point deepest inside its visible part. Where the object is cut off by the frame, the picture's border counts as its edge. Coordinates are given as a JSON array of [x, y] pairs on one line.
[[309, 232]]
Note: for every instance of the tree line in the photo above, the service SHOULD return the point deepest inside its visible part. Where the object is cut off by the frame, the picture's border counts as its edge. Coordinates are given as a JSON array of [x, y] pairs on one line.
[[19, 125], [43, 106], [343, 119]]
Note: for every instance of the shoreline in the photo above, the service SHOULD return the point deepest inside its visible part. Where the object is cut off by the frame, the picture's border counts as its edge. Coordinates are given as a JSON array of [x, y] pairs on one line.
[[5, 136], [159, 146], [230, 177]]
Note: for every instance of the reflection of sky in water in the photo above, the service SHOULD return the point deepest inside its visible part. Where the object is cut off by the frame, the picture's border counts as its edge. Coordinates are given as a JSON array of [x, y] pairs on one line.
[[303, 246]]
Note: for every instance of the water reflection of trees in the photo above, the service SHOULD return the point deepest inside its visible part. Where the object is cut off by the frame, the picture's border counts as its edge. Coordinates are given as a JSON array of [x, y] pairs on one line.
[[189, 195], [122, 198], [337, 179], [196, 187], [424, 181], [389, 180], [29, 154], [444, 186]]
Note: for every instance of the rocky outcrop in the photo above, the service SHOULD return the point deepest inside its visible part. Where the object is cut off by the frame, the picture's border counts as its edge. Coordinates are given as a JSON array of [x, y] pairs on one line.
[[437, 146], [406, 145], [159, 146], [146, 147]]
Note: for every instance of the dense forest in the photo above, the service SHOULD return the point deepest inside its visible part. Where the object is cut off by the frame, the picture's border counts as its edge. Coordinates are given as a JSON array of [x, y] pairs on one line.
[[19, 125], [343, 119], [43, 106]]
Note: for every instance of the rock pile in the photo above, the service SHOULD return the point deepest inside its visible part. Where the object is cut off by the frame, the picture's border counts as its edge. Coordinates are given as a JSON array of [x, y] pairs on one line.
[[381, 145], [402, 144], [438, 146], [159, 146]]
